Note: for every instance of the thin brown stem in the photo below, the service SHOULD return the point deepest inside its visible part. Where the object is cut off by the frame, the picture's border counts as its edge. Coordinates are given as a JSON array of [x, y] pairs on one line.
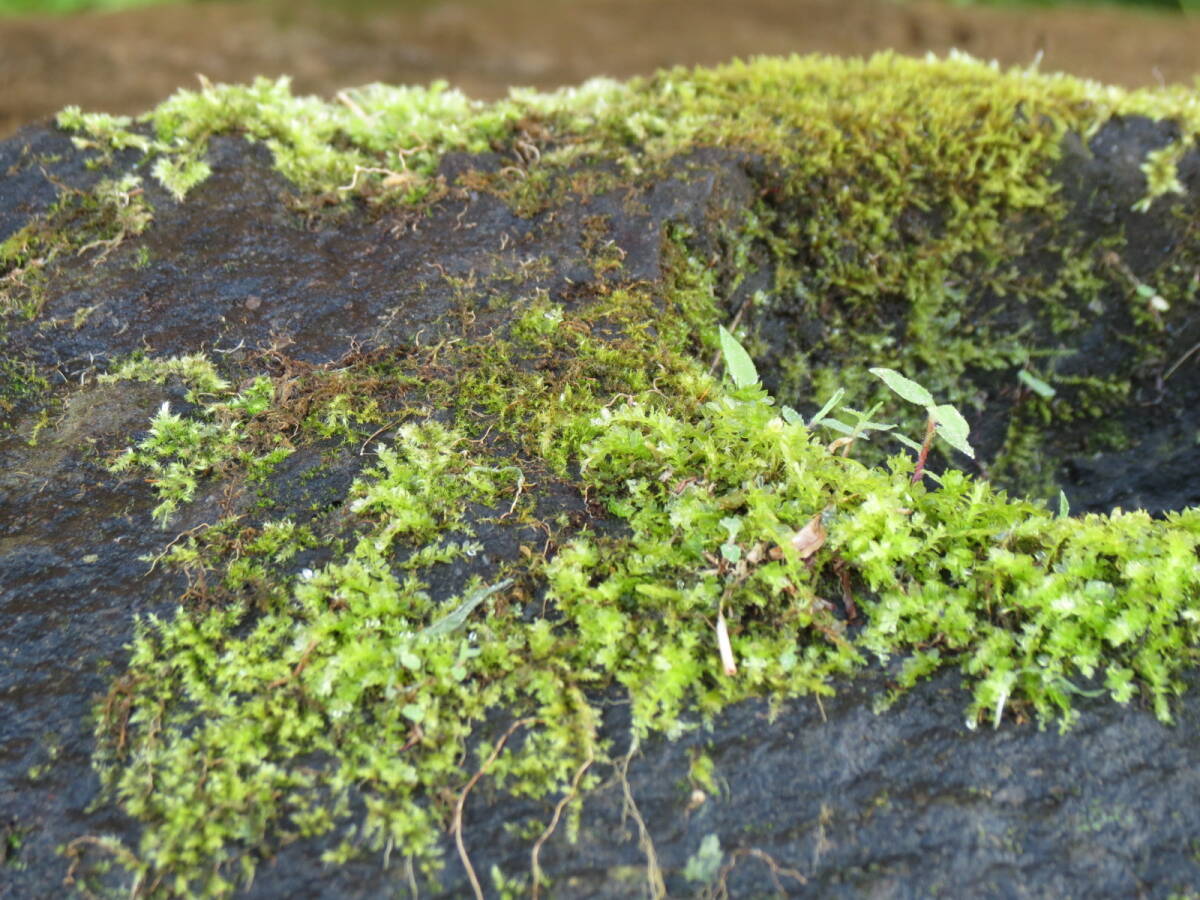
[[536, 869], [456, 826], [654, 877]]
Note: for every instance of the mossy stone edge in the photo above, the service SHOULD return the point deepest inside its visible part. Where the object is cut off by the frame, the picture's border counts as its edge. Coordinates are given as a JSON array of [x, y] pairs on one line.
[[563, 500]]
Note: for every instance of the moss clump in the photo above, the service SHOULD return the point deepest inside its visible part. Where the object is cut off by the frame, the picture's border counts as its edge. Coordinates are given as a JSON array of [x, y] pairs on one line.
[[444, 617], [353, 639], [178, 451], [94, 221], [211, 736], [20, 381]]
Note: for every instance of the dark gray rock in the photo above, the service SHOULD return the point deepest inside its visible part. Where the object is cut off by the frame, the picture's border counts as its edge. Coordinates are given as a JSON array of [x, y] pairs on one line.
[[844, 802]]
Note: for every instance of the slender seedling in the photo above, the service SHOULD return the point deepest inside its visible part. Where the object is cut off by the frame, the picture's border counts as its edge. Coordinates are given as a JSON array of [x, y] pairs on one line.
[[943, 420]]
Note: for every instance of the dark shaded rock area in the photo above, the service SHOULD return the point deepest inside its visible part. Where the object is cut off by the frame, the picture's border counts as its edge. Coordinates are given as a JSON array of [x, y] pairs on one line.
[[1102, 182], [823, 800]]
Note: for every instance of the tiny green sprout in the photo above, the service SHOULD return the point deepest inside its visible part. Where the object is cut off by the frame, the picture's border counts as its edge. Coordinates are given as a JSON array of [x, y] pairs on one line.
[[860, 428], [943, 419], [704, 865], [730, 550], [823, 411]]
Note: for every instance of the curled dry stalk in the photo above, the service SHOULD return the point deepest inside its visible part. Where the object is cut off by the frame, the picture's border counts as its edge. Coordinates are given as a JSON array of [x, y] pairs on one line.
[[654, 875], [720, 890], [456, 825], [572, 793]]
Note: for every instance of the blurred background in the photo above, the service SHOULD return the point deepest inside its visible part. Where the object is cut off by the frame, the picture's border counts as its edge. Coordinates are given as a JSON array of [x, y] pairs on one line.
[[123, 56]]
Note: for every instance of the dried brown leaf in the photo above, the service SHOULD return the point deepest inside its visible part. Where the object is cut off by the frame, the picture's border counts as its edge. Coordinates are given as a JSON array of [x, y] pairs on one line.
[[809, 539]]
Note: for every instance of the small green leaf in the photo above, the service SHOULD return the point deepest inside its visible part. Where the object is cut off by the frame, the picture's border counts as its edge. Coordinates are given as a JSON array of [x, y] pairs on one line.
[[731, 551], [791, 416], [455, 619], [838, 425], [906, 388], [953, 428], [1064, 508], [825, 410], [1035, 384], [703, 865], [1071, 688], [737, 361]]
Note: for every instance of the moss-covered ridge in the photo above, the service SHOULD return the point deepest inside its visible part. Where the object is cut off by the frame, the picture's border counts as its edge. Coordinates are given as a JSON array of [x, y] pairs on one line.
[[563, 500], [815, 112], [911, 211]]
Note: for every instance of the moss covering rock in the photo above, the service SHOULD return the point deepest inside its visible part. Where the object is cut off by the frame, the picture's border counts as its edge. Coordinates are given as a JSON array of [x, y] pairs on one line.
[[444, 462]]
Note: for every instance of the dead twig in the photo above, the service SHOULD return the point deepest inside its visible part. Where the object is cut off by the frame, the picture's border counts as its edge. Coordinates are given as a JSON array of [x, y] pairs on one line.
[[296, 669], [363, 449], [654, 876], [111, 845], [571, 794], [520, 488], [175, 540], [456, 825], [1179, 362], [722, 888]]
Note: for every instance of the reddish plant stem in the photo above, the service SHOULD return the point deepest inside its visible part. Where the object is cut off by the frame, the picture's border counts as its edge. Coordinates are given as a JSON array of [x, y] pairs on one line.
[[930, 430]]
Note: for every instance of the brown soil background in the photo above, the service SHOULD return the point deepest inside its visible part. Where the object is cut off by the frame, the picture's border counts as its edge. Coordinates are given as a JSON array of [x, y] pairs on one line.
[[126, 62]]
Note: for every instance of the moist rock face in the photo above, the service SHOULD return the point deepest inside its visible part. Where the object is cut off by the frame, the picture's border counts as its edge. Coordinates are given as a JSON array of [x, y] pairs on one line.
[[374, 510]]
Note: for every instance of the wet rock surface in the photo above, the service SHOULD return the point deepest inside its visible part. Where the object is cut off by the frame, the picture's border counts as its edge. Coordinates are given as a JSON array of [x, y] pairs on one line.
[[837, 801], [819, 799]]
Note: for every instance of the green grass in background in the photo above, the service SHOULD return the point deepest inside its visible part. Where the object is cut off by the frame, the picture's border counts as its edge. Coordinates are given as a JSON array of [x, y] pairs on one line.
[[65, 7], [52, 7]]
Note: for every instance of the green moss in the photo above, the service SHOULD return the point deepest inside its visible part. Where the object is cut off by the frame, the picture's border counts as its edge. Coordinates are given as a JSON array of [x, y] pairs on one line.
[[178, 451], [338, 695], [1160, 170], [18, 383], [221, 708], [196, 371], [92, 223]]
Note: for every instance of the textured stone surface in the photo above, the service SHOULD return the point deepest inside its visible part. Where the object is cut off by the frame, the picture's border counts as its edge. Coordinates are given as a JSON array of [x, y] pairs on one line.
[[909, 803]]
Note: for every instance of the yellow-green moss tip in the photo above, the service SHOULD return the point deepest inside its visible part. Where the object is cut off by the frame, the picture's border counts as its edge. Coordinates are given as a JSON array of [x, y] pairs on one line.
[[801, 109]]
